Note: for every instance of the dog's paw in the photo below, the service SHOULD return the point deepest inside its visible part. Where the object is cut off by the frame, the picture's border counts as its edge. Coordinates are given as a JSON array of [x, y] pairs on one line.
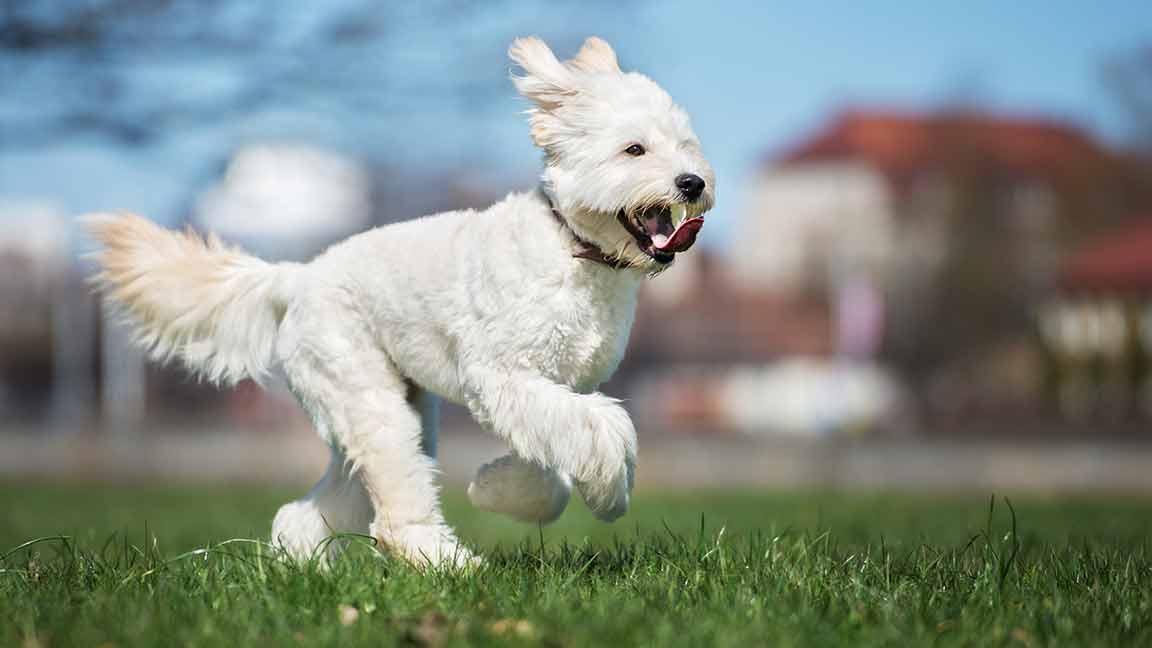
[[425, 546], [606, 480], [521, 489], [608, 504]]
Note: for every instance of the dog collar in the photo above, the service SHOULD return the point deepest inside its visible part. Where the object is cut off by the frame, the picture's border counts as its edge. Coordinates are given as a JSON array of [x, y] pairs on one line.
[[587, 249]]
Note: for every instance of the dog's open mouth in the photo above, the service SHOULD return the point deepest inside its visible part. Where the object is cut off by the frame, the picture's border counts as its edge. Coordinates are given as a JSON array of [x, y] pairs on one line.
[[662, 231]]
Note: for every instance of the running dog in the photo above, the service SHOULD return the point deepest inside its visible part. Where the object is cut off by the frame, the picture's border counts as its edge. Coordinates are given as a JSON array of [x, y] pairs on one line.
[[519, 312]]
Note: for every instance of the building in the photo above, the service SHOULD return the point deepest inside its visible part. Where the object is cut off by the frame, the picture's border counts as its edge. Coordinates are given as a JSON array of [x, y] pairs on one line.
[[925, 242], [871, 193], [1099, 328]]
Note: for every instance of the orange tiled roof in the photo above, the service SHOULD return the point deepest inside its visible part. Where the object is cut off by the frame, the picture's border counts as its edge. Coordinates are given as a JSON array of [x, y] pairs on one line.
[[899, 142]]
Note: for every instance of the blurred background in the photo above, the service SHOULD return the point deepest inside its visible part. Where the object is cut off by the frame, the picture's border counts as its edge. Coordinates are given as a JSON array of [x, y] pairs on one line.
[[930, 263]]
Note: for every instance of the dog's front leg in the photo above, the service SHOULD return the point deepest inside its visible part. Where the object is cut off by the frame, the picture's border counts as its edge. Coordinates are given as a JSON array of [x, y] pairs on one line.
[[587, 436]]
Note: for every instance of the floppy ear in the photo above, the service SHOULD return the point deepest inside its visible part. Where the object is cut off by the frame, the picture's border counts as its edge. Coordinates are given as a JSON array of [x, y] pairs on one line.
[[595, 56], [548, 83], [545, 81]]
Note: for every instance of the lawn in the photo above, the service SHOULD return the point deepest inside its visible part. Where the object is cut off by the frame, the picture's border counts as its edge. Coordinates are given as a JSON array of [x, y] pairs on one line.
[[123, 566]]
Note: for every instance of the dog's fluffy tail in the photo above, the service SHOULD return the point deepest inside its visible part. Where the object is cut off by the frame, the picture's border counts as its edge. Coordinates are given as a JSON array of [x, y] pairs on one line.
[[192, 298]]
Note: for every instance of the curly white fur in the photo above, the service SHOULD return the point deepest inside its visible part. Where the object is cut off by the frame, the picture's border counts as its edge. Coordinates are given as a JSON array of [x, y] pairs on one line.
[[194, 299], [489, 309]]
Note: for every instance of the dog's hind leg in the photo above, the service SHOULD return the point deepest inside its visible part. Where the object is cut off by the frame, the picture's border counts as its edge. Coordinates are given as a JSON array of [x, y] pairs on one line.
[[336, 504], [520, 489], [361, 404]]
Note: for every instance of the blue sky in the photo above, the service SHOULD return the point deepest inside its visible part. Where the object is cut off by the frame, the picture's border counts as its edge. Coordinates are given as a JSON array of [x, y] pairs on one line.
[[755, 76]]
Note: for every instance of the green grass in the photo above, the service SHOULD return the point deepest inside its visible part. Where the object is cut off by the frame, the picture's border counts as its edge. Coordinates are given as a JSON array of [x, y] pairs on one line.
[[146, 566]]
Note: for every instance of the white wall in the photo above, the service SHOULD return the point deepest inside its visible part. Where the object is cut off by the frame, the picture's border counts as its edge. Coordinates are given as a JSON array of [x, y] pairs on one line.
[[813, 223]]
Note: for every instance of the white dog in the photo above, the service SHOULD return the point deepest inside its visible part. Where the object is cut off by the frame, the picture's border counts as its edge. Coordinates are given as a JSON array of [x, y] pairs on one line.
[[519, 312]]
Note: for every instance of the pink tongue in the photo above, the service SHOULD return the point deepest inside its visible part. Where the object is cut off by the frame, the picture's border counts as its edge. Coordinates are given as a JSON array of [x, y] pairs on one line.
[[682, 238]]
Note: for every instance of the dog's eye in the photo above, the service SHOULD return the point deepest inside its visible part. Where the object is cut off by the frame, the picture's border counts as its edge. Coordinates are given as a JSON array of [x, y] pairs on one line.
[[635, 150]]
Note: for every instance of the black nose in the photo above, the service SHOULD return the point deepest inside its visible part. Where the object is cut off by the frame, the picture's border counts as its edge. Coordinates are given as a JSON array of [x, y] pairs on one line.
[[690, 184]]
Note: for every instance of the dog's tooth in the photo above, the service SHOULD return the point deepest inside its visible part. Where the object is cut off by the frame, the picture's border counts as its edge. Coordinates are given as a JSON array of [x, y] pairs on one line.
[[679, 211]]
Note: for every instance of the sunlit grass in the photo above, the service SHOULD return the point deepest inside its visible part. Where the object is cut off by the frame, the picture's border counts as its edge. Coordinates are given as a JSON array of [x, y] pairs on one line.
[[78, 567]]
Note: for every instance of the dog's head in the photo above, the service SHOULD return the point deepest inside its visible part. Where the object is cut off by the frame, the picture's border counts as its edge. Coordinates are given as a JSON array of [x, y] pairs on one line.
[[621, 159]]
